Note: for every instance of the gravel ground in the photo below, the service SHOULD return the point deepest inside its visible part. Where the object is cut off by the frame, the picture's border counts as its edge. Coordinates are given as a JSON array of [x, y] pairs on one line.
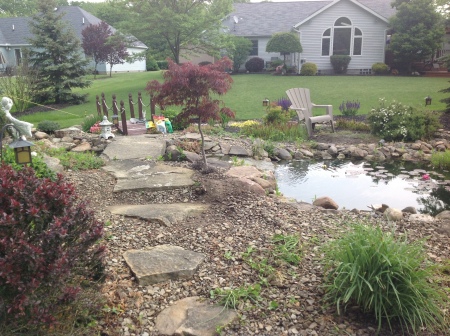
[[235, 221]]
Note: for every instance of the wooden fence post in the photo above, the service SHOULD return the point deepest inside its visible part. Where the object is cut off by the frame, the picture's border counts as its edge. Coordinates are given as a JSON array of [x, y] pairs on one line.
[[123, 117], [130, 100], [99, 106], [104, 106], [114, 105], [140, 106]]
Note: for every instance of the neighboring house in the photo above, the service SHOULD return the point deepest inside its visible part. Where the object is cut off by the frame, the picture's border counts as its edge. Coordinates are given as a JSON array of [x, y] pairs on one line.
[[356, 28], [15, 32]]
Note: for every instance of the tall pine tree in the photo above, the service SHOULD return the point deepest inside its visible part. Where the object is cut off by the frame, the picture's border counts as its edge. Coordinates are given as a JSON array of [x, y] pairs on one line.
[[56, 55]]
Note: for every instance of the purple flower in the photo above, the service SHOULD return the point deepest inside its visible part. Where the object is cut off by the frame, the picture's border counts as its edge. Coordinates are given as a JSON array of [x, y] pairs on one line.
[[285, 103]]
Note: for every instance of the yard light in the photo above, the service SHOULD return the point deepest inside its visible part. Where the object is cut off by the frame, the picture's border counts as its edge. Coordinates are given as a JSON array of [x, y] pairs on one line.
[[115, 120], [22, 151], [266, 102], [427, 100]]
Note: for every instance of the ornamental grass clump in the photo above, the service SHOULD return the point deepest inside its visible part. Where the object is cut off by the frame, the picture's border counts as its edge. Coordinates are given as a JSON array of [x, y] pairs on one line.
[[399, 122], [384, 275]]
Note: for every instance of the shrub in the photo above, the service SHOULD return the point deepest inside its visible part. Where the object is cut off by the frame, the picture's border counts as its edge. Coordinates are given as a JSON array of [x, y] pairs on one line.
[[441, 160], [276, 115], [400, 122], [151, 64], [254, 64], [48, 126], [380, 68], [38, 165], [384, 275], [162, 65], [340, 63], [350, 108], [48, 239], [89, 121], [288, 132], [352, 125], [308, 69], [204, 63], [274, 64]]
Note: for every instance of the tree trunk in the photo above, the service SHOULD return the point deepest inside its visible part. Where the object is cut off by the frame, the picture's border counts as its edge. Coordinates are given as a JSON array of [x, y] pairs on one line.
[[203, 143]]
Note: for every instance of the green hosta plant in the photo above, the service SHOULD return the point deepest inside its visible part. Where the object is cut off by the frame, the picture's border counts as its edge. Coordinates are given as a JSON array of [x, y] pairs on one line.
[[383, 275]]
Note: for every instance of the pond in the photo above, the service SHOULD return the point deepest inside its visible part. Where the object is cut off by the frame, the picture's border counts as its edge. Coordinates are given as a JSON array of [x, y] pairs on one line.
[[361, 184]]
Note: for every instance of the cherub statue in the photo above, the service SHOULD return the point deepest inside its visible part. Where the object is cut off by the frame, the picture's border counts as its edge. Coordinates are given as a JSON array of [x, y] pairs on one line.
[[23, 126]]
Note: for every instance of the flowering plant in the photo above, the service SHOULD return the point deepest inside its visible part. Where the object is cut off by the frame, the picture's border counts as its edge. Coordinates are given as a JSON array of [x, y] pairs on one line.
[[284, 103], [399, 122], [350, 108], [95, 128]]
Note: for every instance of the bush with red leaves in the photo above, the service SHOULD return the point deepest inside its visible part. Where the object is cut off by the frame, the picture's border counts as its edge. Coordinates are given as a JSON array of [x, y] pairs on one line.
[[48, 239]]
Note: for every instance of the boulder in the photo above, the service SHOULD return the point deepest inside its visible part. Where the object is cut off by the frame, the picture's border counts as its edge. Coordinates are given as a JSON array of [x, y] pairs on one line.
[[443, 215], [68, 132], [40, 135], [191, 156], [410, 209], [172, 153], [238, 151], [392, 214], [83, 147], [282, 154], [423, 218], [326, 203]]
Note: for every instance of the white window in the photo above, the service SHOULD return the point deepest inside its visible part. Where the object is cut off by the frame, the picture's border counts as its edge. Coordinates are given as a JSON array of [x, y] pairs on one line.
[[254, 51], [342, 39]]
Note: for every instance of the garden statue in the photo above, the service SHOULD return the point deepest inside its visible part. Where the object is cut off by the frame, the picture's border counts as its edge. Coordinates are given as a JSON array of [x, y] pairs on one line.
[[23, 126]]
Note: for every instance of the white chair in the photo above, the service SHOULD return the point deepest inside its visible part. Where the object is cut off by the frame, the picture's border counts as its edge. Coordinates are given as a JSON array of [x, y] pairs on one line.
[[301, 103]]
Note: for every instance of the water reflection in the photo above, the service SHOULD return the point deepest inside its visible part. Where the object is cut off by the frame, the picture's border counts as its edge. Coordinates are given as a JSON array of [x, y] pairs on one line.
[[360, 184]]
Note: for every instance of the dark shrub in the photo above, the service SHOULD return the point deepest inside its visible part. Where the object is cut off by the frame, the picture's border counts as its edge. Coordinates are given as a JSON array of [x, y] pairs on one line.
[[48, 126], [255, 64], [308, 69], [380, 69], [340, 63], [204, 63], [47, 241], [162, 65]]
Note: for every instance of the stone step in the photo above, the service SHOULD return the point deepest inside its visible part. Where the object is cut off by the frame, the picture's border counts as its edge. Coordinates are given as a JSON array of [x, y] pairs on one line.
[[166, 214]]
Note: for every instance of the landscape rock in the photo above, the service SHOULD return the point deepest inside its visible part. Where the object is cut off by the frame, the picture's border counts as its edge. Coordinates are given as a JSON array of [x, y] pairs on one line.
[[41, 135], [236, 150], [282, 154], [421, 218], [392, 214], [410, 209], [195, 317], [68, 132], [443, 215], [326, 203], [83, 147], [162, 263], [191, 156]]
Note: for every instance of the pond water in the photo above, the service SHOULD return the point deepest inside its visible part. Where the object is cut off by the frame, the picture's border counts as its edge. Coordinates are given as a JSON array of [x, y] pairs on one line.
[[358, 185]]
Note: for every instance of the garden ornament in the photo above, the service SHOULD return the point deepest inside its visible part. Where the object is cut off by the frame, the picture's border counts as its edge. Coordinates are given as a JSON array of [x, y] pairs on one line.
[[23, 127]]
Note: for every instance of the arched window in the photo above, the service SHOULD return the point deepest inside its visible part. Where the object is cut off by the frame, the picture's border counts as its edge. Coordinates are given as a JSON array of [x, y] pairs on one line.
[[342, 39], [326, 42]]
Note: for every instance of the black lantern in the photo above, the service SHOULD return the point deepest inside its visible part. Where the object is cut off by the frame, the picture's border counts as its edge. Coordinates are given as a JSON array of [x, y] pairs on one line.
[[427, 100], [22, 150], [115, 120], [266, 102]]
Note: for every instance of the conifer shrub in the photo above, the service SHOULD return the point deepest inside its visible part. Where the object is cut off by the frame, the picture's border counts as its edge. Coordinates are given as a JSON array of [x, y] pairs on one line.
[[48, 126], [48, 240], [254, 64]]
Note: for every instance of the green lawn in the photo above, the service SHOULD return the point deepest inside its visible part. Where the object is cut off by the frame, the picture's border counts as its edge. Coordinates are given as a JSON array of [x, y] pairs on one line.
[[248, 92]]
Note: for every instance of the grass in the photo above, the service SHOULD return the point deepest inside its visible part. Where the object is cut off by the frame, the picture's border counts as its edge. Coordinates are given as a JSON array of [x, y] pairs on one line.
[[248, 91], [384, 275]]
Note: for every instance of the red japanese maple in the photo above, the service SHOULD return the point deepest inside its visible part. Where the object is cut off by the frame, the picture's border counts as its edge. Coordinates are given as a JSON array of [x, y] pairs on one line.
[[192, 86]]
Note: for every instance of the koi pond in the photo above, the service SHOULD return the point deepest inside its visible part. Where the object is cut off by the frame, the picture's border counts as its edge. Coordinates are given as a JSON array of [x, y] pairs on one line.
[[359, 185]]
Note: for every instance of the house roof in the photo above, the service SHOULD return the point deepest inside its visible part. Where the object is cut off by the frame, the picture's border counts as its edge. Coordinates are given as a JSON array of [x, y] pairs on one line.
[[16, 30], [267, 18]]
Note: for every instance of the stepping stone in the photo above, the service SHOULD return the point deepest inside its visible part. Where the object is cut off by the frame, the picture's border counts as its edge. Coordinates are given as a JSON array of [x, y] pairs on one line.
[[162, 263], [135, 147], [192, 316], [138, 175], [166, 214]]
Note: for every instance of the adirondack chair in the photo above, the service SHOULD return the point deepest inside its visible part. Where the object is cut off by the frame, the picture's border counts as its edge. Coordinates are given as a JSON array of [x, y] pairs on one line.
[[301, 103]]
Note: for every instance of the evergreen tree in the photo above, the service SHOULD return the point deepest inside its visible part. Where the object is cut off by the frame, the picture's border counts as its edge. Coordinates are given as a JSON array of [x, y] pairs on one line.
[[446, 100], [57, 57]]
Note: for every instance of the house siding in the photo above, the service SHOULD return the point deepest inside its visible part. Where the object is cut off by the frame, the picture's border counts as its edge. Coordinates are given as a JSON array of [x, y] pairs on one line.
[[373, 30]]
